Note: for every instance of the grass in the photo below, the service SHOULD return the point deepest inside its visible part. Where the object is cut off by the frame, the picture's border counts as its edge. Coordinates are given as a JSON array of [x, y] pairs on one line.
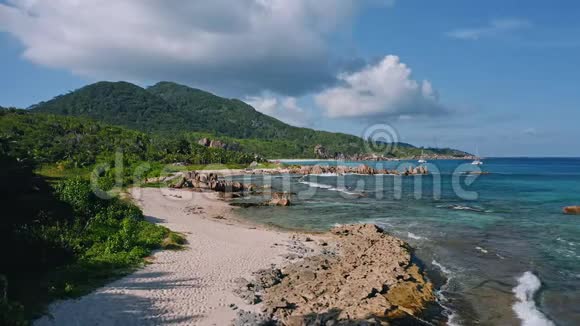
[[55, 172], [174, 241]]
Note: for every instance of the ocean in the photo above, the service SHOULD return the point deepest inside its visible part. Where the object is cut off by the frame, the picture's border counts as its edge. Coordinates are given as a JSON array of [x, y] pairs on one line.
[[497, 245]]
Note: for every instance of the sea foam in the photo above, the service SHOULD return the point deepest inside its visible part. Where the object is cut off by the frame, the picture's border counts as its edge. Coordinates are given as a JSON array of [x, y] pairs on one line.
[[414, 236], [329, 187], [442, 268], [315, 184], [482, 250], [327, 174], [525, 307], [344, 190], [452, 318]]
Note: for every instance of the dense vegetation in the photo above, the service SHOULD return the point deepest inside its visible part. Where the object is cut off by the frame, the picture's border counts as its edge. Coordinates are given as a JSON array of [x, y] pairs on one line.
[[203, 111], [71, 142], [119, 103], [169, 108], [63, 241]]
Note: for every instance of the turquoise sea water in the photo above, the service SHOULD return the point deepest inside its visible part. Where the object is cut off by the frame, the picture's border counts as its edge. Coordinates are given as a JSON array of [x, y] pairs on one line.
[[507, 252]]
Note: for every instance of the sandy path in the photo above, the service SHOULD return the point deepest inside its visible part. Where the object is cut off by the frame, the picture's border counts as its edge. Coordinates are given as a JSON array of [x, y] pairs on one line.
[[188, 287]]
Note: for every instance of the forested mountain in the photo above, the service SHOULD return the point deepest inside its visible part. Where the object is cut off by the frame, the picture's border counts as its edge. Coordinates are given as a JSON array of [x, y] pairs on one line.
[[170, 108], [118, 103], [80, 142], [236, 119]]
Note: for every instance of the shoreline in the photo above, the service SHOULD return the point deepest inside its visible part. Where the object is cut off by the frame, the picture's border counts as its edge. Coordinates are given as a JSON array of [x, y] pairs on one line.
[[191, 286], [194, 286]]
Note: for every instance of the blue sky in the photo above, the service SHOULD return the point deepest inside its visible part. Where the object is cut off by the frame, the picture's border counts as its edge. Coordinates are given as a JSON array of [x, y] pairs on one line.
[[499, 75]]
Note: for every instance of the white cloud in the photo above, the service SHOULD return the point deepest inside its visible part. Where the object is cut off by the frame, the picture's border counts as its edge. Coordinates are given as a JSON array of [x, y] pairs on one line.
[[283, 108], [493, 28], [249, 45], [383, 89]]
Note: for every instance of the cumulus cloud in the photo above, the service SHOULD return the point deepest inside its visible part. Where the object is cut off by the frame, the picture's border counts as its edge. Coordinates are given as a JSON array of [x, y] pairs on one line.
[[247, 45], [283, 108], [493, 28], [385, 89]]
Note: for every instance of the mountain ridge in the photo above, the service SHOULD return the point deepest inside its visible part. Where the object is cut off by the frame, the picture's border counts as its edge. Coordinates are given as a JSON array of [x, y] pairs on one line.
[[168, 107]]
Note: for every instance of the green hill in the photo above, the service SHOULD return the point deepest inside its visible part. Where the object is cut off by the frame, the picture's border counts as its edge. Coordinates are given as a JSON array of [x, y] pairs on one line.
[[80, 142], [170, 108], [236, 119], [118, 103]]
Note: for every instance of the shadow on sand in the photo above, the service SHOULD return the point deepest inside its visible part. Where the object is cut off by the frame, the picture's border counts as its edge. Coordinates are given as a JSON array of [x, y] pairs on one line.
[[119, 308]]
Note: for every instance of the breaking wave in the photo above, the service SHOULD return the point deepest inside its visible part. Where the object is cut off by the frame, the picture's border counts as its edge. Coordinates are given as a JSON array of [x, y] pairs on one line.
[[525, 307], [414, 236], [315, 184], [443, 301], [343, 190]]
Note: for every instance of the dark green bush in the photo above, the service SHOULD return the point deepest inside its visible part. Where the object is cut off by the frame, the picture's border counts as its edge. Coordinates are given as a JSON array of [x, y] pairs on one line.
[[100, 239]]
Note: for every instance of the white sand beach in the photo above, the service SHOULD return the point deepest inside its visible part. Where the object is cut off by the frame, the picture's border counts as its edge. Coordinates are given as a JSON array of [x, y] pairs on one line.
[[186, 287]]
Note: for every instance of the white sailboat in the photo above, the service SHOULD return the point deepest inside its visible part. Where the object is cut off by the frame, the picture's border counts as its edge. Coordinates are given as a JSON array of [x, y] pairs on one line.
[[477, 160], [421, 160]]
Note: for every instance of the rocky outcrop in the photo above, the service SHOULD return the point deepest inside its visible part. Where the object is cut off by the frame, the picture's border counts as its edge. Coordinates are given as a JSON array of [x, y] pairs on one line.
[[365, 169], [320, 152], [421, 169], [365, 275], [317, 169], [214, 143], [280, 199], [204, 142], [575, 210], [361, 169], [380, 157], [209, 181]]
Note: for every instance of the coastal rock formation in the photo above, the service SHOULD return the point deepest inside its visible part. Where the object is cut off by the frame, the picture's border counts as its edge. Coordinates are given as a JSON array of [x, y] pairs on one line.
[[209, 181], [365, 169], [380, 157], [421, 169], [572, 210], [317, 169], [367, 276], [361, 169], [280, 199], [341, 169]]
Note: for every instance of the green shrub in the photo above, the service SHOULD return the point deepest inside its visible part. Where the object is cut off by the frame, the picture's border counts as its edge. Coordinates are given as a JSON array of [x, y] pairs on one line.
[[103, 238], [12, 313]]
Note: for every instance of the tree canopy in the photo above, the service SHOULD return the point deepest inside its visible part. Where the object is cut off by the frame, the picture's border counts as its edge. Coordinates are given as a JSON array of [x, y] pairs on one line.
[[168, 108]]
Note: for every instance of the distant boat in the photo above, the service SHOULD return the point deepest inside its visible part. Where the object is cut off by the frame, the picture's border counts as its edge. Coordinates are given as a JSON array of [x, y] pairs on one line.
[[477, 160], [421, 160]]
